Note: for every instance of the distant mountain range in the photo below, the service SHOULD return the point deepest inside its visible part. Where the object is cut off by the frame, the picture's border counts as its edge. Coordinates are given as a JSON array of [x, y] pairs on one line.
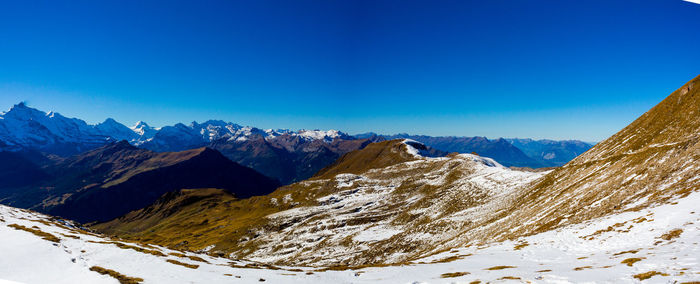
[[282, 154], [509, 152], [285, 155]]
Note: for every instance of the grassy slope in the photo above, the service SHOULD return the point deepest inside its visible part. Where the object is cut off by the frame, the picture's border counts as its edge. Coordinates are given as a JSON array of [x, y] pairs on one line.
[[651, 161]]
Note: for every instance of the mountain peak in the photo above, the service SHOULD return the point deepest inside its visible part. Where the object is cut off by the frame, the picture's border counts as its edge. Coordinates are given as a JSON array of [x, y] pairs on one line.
[[21, 108], [20, 105], [140, 124]]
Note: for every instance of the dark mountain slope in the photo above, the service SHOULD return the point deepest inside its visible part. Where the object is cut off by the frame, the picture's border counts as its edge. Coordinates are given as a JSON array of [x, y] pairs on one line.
[[287, 158], [110, 181], [19, 168]]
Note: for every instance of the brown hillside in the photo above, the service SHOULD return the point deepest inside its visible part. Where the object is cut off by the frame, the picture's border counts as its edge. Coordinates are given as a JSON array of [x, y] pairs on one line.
[[653, 160]]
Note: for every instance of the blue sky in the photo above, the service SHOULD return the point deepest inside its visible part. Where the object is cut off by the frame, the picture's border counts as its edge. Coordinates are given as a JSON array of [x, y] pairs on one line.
[[542, 69]]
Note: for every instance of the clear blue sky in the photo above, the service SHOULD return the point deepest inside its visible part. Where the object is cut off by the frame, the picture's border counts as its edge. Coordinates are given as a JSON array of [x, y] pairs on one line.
[[543, 69]]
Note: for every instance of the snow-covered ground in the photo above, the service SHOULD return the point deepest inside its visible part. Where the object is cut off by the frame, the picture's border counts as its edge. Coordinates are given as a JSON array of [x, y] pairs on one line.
[[584, 253]]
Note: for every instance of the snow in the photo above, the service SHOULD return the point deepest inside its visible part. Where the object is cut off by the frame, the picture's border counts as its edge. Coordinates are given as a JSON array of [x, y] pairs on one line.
[[573, 254], [411, 149], [23, 125], [376, 233]]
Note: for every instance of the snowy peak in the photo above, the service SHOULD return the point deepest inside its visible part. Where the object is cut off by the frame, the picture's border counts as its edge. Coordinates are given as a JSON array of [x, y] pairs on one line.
[[144, 131], [26, 127], [116, 130], [322, 135]]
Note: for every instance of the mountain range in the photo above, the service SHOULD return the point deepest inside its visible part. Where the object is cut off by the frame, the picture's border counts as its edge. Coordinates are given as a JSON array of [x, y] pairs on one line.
[[285, 155], [390, 211], [387, 204], [510, 152]]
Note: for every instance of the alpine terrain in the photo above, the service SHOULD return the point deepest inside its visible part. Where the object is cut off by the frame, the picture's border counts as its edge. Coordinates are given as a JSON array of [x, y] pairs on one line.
[[392, 204], [393, 211]]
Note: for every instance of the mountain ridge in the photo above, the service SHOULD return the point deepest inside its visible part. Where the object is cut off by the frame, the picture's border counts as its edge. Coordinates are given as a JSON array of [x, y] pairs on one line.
[[112, 180]]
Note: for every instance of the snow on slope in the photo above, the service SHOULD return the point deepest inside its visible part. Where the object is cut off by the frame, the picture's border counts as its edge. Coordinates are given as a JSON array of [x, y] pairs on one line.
[[612, 249], [385, 215]]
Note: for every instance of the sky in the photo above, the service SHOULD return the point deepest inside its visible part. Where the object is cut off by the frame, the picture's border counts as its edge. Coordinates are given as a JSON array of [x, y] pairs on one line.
[[521, 68]]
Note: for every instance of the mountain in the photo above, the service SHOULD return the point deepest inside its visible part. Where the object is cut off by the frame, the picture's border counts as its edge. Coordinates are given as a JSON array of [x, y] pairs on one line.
[[23, 127], [623, 212], [181, 137], [498, 149], [286, 157], [16, 168], [550, 153], [654, 160], [517, 152], [144, 131], [112, 180], [282, 154], [112, 128], [387, 202]]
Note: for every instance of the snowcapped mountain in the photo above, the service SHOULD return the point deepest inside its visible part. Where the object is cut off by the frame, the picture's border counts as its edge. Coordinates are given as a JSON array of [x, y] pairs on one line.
[[116, 130], [180, 137], [25, 127], [143, 130]]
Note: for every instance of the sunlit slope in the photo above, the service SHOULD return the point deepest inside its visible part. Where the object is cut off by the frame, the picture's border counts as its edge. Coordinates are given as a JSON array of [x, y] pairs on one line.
[[652, 161]]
